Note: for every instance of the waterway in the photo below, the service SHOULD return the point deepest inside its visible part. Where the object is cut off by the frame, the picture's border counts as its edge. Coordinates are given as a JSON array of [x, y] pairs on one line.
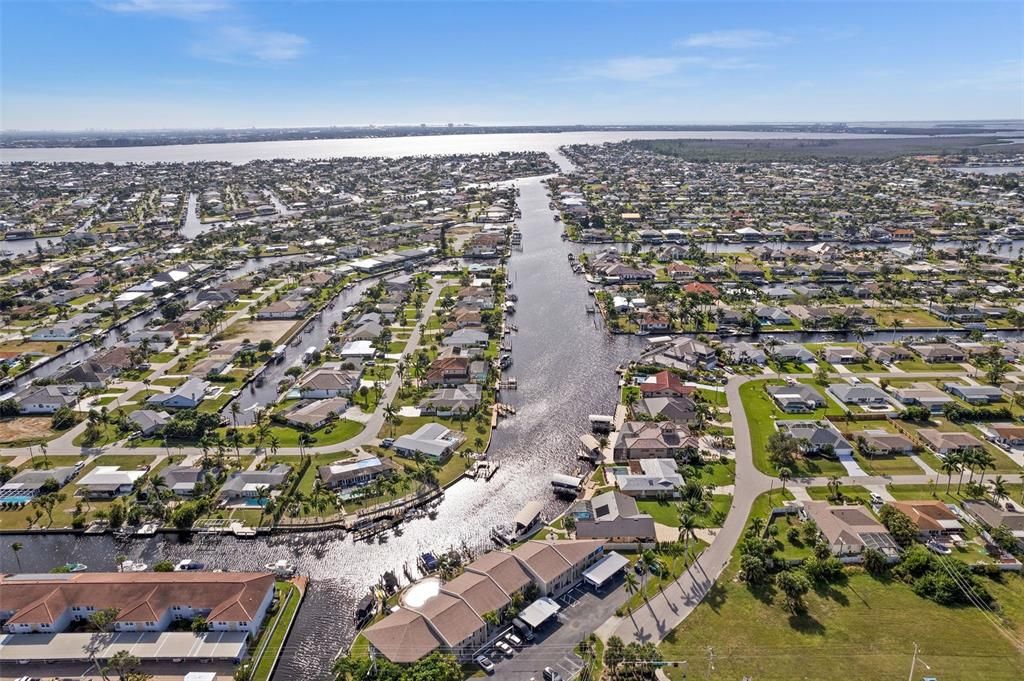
[[388, 147], [564, 366]]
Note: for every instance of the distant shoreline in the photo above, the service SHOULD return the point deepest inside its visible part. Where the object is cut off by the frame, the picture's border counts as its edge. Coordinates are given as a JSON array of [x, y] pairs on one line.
[[121, 139]]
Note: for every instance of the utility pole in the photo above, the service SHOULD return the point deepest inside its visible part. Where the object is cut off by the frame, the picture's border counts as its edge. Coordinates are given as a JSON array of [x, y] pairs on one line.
[[711, 661]]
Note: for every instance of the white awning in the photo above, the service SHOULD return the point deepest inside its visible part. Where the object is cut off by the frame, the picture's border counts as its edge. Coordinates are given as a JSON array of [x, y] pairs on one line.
[[605, 569], [539, 612]]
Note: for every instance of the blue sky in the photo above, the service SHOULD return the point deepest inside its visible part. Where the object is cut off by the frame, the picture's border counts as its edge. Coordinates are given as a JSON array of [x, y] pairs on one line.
[[237, 63]]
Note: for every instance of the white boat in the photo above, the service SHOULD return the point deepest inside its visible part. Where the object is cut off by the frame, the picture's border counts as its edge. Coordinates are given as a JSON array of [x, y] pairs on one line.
[[282, 568], [147, 530], [132, 566], [76, 567], [188, 565]]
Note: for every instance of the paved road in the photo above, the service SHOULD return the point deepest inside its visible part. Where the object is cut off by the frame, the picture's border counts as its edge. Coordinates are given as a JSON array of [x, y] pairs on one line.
[[654, 620], [365, 437]]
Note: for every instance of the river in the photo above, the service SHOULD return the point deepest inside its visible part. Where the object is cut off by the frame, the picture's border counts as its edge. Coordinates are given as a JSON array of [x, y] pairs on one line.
[[388, 147], [564, 367]]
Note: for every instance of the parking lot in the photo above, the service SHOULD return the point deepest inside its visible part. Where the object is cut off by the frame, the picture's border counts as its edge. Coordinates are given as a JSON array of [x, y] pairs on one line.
[[582, 612]]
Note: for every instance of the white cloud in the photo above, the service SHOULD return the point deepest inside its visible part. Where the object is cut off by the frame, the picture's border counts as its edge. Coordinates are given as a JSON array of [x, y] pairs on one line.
[[239, 44], [183, 9], [645, 69], [737, 39]]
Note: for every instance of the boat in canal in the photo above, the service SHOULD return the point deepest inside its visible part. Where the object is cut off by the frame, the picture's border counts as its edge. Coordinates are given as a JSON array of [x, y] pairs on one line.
[[281, 568], [188, 565], [132, 566], [76, 567]]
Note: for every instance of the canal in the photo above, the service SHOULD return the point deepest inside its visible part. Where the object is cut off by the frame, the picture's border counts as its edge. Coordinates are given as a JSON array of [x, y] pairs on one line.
[[564, 367]]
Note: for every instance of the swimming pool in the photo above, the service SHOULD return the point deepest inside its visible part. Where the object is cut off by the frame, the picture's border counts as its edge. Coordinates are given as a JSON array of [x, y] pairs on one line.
[[256, 502]]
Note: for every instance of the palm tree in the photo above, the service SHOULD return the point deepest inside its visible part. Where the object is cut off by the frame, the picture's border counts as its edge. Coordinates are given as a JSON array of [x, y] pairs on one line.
[[985, 461], [274, 444], [784, 475], [391, 417], [632, 586], [949, 466], [687, 527], [896, 325], [17, 547], [834, 485], [262, 497], [999, 488]]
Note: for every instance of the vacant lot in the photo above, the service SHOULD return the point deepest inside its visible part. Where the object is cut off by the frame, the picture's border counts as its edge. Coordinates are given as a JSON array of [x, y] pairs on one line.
[[26, 429], [257, 330]]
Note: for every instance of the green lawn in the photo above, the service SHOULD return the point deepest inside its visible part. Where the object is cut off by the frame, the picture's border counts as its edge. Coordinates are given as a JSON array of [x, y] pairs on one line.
[[865, 627], [273, 635], [850, 492], [760, 410], [921, 365], [899, 464]]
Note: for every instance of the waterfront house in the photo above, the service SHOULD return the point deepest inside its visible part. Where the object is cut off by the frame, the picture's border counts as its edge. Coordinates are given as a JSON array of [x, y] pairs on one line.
[[182, 480], [769, 314], [144, 601], [29, 483], [284, 309], [665, 384], [246, 485], [691, 353], [459, 401], [742, 352], [109, 482], [651, 440], [649, 478], [326, 382], [354, 471], [938, 352], [433, 440], [887, 353], [188, 395], [466, 338], [794, 352], [675, 409], [311, 415], [613, 517], [842, 354], [448, 372]]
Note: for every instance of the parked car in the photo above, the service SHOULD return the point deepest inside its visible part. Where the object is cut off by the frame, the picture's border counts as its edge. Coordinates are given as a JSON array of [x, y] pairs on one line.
[[876, 498], [551, 675], [505, 648], [522, 629], [485, 663], [940, 549], [387, 442], [514, 640]]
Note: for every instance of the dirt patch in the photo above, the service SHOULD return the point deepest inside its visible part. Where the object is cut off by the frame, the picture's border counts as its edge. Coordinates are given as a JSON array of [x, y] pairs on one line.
[[25, 428], [257, 330]]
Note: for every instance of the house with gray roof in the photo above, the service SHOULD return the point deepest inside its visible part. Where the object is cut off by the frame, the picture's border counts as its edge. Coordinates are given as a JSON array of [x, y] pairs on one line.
[[862, 393], [431, 439], [794, 398], [614, 517], [188, 395], [247, 484], [649, 478], [819, 435]]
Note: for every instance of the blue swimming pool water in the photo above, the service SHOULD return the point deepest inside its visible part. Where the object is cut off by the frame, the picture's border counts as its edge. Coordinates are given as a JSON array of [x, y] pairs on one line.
[[255, 502]]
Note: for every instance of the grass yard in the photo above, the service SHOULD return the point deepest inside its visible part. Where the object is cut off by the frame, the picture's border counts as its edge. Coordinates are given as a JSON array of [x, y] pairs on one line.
[[869, 624], [272, 639], [849, 492], [921, 365], [761, 413], [880, 464]]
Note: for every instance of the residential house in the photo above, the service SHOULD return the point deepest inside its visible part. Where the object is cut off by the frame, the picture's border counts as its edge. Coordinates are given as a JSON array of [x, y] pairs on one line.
[[109, 482], [820, 437], [665, 384], [933, 518], [148, 422], [850, 530], [46, 399], [884, 442], [649, 478], [355, 471], [613, 517], [325, 382], [314, 414], [433, 440], [459, 401], [842, 354], [861, 393], [938, 352], [242, 485], [924, 395], [1005, 434], [682, 410], [974, 394], [188, 395], [651, 440], [794, 398], [943, 443]]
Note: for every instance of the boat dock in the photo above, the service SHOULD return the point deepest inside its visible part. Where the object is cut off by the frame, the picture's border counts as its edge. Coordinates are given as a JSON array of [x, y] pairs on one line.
[[483, 469]]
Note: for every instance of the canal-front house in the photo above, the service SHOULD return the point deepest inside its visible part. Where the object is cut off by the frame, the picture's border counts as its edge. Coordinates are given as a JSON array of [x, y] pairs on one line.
[[144, 601], [652, 440], [615, 518], [245, 486], [452, 620], [355, 471], [188, 395], [432, 440]]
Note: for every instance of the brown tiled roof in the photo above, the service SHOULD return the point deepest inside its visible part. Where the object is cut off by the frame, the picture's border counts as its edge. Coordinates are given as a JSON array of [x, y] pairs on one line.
[[403, 636], [506, 572], [479, 591], [138, 597], [452, 618]]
